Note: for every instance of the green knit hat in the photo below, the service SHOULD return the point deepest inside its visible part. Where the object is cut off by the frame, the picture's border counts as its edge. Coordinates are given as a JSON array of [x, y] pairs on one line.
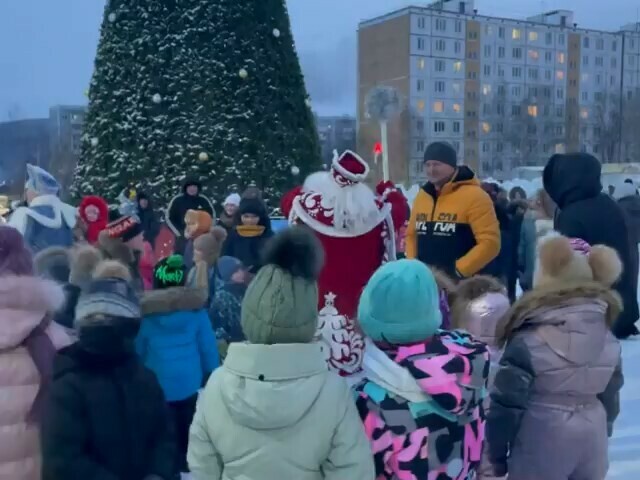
[[281, 304]]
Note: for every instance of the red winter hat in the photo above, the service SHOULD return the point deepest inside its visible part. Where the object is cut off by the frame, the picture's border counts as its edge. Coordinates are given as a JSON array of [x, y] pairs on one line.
[[349, 168], [94, 212]]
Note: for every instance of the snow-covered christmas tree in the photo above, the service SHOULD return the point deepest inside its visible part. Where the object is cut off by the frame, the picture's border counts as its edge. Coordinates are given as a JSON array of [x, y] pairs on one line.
[[205, 88]]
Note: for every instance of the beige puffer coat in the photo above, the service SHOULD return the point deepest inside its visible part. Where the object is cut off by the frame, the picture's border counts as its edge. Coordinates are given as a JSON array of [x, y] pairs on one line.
[[24, 301]]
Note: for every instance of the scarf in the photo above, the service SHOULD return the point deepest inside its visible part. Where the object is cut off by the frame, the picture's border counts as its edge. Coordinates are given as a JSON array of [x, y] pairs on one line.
[[42, 352]]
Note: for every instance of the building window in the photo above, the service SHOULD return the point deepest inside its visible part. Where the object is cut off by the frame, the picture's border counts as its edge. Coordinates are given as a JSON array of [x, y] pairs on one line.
[[548, 56], [472, 76], [585, 60], [548, 38], [599, 44], [599, 62], [455, 86], [420, 85], [532, 110], [500, 32], [420, 43], [561, 58], [422, 23], [614, 45], [441, 45], [547, 92], [516, 90], [561, 39], [501, 52], [598, 96], [585, 96], [534, 55], [486, 127], [420, 146], [598, 79], [559, 112], [420, 125], [438, 106], [438, 127], [486, 89], [517, 72], [632, 60], [488, 30], [439, 86], [516, 34], [456, 127], [614, 62], [560, 75], [500, 71], [420, 105], [547, 74], [613, 80], [487, 50], [457, 67], [441, 25], [560, 94], [440, 66], [457, 108], [516, 110], [533, 92], [486, 109], [486, 147], [585, 77], [533, 36], [533, 73], [457, 47], [517, 52], [500, 109], [458, 26], [487, 70], [421, 63], [585, 42]]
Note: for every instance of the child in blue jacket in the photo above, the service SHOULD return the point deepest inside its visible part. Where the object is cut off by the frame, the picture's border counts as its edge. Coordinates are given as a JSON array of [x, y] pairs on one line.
[[176, 341]]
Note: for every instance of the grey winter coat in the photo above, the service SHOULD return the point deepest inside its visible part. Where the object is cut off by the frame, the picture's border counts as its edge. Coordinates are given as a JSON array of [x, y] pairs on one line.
[[555, 396]]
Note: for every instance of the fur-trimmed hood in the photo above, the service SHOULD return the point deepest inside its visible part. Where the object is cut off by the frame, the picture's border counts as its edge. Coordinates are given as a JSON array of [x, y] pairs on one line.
[[115, 249], [534, 307], [468, 291], [172, 300], [24, 301]]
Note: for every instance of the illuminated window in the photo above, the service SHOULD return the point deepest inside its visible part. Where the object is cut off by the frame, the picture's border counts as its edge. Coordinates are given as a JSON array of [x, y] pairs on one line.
[[533, 36], [534, 55], [584, 113], [486, 89], [561, 57], [420, 105], [486, 128], [559, 148], [585, 77], [516, 34], [457, 108], [560, 75], [532, 110], [421, 63], [438, 107], [455, 86], [457, 66]]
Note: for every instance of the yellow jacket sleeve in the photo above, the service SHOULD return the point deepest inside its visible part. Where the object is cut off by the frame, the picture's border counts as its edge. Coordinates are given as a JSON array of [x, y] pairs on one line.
[[486, 231], [411, 240]]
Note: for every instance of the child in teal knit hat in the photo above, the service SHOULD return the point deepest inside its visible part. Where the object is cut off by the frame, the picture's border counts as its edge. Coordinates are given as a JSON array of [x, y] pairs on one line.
[[421, 383]]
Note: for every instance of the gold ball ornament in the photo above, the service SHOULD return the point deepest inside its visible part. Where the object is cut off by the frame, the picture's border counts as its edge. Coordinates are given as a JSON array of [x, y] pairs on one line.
[[243, 73], [203, 157], [308, 102], [94, 142], [112, 17], [276, 33]]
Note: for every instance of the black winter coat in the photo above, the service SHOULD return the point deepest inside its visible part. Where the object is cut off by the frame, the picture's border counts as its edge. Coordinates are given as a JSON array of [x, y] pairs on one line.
[[573, 182], [107, 420], [149, 221], [246, 247], [180, 204]]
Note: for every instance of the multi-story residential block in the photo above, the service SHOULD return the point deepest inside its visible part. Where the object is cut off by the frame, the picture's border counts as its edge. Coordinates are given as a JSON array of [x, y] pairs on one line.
[[505, 93], [65, 126], [336, 133]]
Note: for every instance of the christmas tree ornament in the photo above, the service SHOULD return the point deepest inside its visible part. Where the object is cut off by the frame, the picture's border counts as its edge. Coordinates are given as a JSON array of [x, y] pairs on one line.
[[157, 98], [94, 142], [295, 171], [203, 157], [308, 102], [112, 17], [276, 33], [86, 93], [243, 73]]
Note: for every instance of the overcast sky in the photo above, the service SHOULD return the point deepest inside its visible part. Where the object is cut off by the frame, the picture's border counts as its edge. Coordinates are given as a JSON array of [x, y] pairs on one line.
[[47, 47]]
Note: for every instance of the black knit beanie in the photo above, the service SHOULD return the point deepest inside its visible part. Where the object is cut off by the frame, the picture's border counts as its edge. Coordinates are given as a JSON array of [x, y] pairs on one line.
[[441, 152]]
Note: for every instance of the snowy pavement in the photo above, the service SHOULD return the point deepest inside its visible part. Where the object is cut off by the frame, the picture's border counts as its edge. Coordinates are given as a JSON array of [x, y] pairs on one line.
[[624, 447]]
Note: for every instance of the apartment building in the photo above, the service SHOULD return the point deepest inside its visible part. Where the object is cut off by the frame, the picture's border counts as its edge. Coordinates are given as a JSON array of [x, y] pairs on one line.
[[506, 93], [65, 131], [336, 133]]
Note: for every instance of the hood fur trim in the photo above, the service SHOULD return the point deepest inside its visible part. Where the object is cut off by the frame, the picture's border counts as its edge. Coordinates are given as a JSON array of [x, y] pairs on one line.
[[470, 289], [115, 249], [112, 269], [84, 259], [30, 294], [172, 300], [555, 296]]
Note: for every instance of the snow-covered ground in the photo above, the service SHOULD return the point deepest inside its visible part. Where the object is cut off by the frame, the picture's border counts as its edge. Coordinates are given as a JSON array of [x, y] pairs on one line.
[[624, 447]]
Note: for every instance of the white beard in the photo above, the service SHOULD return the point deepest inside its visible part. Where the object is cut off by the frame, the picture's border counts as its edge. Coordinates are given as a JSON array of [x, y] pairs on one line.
[[354, 206]]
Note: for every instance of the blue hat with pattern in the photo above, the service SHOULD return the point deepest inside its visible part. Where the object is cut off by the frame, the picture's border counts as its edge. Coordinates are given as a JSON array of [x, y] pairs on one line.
[[41, 181], [400, 304]]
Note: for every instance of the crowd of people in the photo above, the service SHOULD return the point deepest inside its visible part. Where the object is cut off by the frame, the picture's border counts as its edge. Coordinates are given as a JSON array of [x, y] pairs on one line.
[[315, 353]]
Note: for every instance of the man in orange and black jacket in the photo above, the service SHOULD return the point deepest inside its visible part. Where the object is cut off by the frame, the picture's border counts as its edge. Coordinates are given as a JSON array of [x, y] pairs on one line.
[[453, 224]]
